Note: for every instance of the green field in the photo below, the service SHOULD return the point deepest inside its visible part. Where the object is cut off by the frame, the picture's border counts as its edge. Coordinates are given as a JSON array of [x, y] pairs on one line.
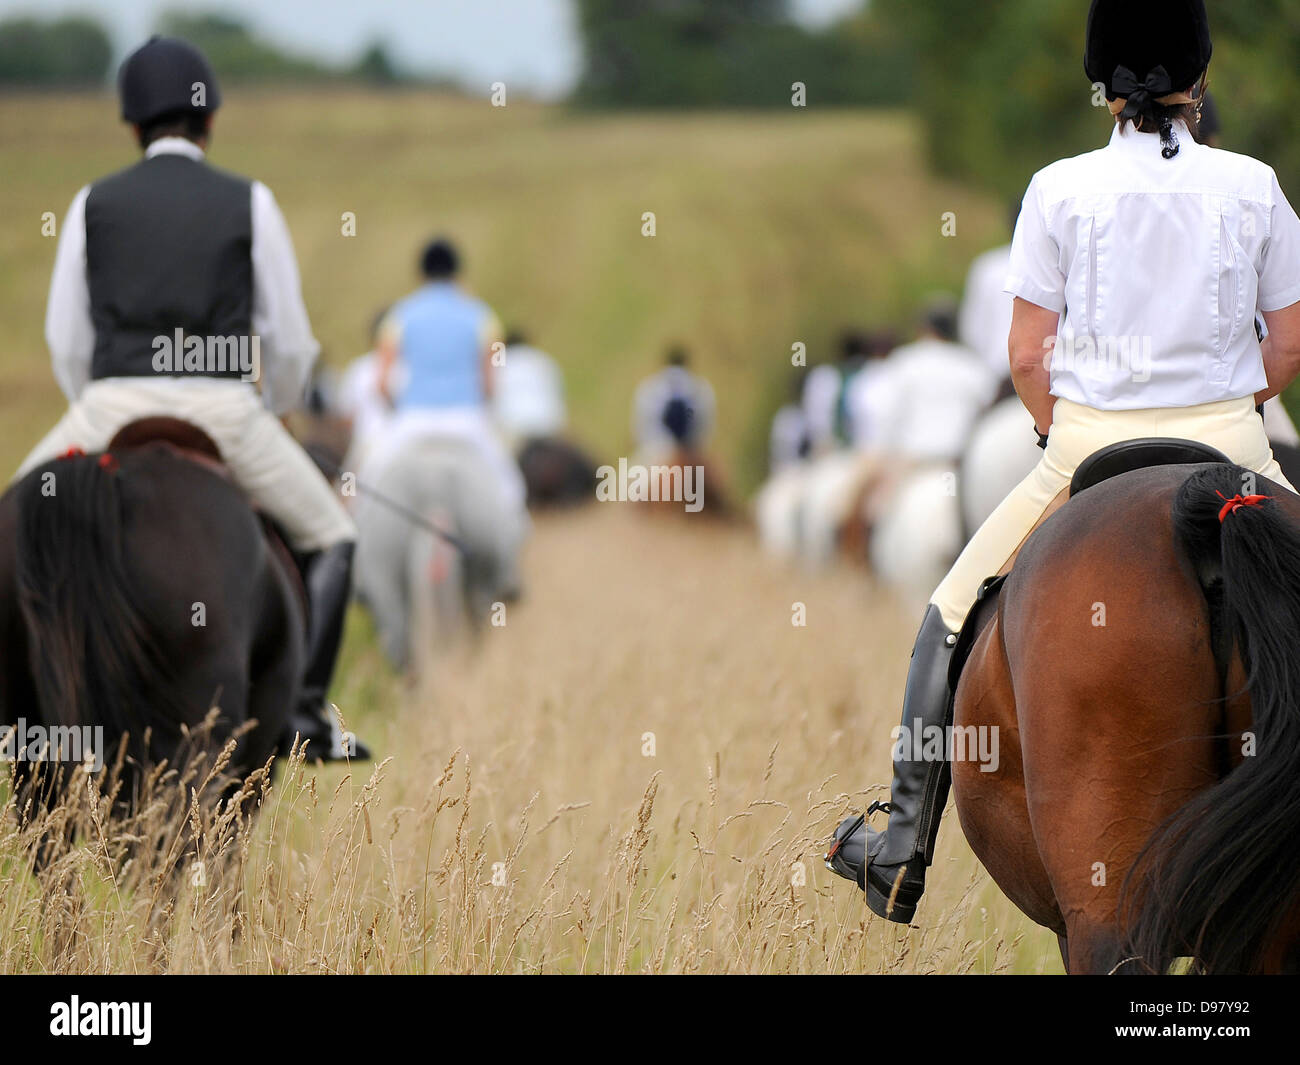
[[771, 229]]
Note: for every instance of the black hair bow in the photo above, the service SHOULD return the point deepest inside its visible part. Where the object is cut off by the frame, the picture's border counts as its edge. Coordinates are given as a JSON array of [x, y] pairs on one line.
[[1140, 93]]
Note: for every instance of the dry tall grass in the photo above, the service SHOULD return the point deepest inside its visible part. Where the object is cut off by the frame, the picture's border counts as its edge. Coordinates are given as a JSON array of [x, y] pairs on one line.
[[519, 820]]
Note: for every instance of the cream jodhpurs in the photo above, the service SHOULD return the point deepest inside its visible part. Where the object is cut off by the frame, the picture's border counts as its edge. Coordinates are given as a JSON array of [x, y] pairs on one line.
[[264, 460], [1232, 426]]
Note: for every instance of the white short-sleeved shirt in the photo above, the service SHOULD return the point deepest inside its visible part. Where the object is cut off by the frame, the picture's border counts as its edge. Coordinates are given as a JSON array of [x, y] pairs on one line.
[[922, 402], [1157, 267], [528, 397]]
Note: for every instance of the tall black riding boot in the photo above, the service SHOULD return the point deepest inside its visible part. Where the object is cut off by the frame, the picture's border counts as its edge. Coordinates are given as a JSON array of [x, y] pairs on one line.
[[898, 856], [328, 577]]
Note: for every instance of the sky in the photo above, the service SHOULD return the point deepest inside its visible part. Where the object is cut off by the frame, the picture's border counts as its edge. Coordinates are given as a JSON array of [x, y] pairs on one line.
[[531, 44]]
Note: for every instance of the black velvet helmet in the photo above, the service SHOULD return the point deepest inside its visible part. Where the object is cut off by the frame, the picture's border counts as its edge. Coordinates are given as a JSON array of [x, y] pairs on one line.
[[162, 77], [1144, 37]]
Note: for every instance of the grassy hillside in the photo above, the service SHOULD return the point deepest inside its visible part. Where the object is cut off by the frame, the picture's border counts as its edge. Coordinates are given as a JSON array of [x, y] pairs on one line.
[[772, 229]]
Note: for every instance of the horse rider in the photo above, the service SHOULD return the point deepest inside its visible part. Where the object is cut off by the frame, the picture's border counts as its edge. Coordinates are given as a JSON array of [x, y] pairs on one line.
[[826, 388], [359, 400], [790, 438], [673, 408], [175, 289], [921, 402], [1137, 271], [438, 348], [529, 402]]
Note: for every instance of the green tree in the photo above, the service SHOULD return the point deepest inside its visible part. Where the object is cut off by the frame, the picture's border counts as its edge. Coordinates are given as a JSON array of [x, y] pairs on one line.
[[236, 53], [68, 52], [376, 67], [1002, 92], [732, 53]]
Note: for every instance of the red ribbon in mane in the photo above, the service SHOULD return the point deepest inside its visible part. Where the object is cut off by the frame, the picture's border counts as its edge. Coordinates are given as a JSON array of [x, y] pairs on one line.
[[1231, 506], [107, 461]]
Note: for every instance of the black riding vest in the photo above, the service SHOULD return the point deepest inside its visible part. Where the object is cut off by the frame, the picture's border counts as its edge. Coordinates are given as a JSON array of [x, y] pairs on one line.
[[169, 248]]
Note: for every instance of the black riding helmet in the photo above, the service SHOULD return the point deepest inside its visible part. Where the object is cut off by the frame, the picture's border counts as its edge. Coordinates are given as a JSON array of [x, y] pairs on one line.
[[166, 76], [1144, 38]]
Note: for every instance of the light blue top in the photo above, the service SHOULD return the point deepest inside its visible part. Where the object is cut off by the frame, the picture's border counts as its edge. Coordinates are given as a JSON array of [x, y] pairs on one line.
[[440, 333]]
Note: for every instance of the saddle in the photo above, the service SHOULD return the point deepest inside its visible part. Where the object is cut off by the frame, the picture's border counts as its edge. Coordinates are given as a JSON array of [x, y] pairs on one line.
[[1111, 461], [191, 443], [1130, 455], [183, 437]]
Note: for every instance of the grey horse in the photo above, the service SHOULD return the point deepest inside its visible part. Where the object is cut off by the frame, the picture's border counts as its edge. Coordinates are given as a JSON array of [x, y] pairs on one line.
[[425, 592]]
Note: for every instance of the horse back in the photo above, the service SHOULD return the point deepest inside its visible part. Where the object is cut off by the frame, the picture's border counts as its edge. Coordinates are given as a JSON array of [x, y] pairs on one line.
[[147, 594]]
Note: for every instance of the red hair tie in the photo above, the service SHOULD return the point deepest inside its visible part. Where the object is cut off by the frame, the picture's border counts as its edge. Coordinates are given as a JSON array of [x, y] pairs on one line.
[[72, 453], [108, 462], [1231, 506]]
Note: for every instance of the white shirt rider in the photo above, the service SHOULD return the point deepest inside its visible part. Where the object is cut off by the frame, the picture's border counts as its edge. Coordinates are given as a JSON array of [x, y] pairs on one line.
[[1090, 217]]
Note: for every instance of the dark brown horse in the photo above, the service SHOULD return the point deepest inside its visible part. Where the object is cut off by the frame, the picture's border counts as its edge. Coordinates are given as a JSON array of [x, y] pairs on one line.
[[137, 591], [1141, 666]]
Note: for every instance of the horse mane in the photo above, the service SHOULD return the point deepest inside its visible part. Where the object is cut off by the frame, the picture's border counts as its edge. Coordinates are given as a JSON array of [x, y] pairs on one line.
[[1217, 880]]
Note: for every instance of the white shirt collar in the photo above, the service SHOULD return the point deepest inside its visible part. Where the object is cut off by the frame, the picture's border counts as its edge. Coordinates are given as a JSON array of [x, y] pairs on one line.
[[174, 146], [1130, 140]]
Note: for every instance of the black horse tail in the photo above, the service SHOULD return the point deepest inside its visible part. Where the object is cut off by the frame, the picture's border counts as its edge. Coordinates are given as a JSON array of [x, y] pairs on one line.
[[93, 658], [1214, 881]]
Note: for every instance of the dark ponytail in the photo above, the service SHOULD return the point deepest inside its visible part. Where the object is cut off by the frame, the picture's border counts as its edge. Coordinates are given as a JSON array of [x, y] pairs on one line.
[[1168, 139], [1161, 117]]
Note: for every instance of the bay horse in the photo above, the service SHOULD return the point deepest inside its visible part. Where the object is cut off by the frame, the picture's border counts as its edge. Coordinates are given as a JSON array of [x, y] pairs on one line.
[[1142, 667], [138, 589]]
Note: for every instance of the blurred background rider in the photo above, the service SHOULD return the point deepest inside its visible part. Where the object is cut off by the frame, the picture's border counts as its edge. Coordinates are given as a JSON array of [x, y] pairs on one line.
[[672, 409], [437, 349]]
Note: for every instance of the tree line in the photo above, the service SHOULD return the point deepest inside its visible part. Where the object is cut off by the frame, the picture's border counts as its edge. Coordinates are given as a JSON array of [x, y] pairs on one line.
[[998, 85]]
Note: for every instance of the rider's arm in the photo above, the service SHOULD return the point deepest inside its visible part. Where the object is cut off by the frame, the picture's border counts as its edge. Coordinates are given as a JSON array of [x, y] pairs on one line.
[[707, 410], [69, 331], [1279, 291], [1281, 349], [288, 348], [1037, 281], [388, 349], [492, 336], [1032, 329]]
